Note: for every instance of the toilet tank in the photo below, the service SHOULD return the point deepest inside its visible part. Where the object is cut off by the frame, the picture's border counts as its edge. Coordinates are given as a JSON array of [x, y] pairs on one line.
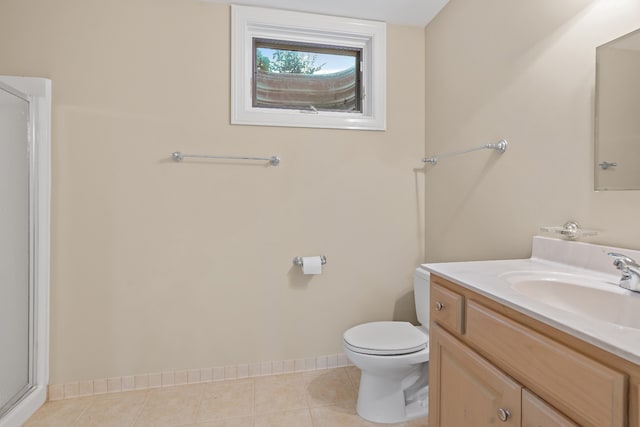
[[421, 294]]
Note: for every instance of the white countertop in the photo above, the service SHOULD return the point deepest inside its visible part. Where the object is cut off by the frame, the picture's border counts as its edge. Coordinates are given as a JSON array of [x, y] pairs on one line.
[[484, 278]]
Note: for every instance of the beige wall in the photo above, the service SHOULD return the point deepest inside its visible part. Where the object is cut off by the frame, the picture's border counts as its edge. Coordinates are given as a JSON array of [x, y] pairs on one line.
[[163, 266], [524, 71], [158, 265]]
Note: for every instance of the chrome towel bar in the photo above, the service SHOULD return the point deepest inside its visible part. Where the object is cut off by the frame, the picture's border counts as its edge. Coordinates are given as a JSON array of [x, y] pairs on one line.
[[500, 146], [178, 156]]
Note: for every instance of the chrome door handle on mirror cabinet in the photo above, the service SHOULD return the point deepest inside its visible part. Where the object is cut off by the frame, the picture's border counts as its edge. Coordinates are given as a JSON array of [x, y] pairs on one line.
[[607, 165]]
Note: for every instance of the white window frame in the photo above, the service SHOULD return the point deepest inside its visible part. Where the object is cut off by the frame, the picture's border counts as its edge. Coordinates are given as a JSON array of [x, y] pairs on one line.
[[249, 22]]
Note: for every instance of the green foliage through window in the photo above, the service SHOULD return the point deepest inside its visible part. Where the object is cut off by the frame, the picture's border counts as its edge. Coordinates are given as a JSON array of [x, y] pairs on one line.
[[288, 61]]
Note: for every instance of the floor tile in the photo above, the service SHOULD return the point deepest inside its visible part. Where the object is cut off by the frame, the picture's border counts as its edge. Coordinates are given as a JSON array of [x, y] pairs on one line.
[[113, 410], [325, 388], [280, 393], [324, 398], [60, 413], [297, 418], [354, 375], [229, 422], [343, 415], [420, 422], [172, 406], [227, 399]]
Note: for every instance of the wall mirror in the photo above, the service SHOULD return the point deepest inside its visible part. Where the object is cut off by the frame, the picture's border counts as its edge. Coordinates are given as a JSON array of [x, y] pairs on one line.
[[617, 120]]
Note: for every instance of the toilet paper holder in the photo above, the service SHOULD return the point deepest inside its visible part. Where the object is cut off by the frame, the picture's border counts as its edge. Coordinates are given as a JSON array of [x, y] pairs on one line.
[[298, 260]]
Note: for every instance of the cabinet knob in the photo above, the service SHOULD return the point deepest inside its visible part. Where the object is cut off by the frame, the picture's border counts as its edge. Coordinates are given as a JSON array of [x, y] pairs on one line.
[[503, 414], [439, 306]]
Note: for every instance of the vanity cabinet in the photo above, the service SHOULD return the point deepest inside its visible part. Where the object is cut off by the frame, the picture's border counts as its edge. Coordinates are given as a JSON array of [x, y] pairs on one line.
[[491, 365]]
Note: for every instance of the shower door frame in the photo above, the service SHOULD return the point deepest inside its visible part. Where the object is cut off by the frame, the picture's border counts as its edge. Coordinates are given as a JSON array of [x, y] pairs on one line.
[[37, 92]]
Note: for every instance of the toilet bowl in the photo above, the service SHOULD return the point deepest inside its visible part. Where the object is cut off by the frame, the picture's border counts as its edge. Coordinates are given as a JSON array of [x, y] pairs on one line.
[[393, 358]]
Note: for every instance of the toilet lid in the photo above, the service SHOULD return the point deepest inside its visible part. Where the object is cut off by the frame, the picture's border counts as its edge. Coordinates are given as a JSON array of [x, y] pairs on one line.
[[385, 338]]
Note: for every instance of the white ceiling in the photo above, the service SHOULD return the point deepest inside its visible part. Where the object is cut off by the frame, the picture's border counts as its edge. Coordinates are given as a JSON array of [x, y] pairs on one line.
[[406, 12]]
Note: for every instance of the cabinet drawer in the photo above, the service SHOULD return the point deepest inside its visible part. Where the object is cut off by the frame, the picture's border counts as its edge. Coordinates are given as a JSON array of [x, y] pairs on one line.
[[585, 390], [447, 308]]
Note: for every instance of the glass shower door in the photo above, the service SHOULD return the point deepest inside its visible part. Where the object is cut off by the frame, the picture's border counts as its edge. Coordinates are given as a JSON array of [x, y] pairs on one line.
[[16, 375]]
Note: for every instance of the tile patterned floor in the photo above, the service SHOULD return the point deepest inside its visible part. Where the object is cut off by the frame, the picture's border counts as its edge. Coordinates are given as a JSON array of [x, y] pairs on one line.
[[311, 399]]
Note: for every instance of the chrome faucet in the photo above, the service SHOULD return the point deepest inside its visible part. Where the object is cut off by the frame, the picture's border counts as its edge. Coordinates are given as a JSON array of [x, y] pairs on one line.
[[630, 271]]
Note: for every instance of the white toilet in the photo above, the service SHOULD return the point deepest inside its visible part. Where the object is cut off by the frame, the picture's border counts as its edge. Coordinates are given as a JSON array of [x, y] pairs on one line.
[[393, 358]]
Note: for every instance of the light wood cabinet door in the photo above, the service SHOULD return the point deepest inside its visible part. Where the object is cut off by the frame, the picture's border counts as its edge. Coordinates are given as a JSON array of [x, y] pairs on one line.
[[537, 413], [466, 389], [589, 392]]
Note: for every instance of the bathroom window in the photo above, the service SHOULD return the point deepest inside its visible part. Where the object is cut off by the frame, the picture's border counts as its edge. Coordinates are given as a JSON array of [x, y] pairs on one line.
[[305, 70], [301, 76]]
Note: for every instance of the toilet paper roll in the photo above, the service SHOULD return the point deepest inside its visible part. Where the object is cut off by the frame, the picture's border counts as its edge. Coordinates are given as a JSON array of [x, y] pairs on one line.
[[311, 265]]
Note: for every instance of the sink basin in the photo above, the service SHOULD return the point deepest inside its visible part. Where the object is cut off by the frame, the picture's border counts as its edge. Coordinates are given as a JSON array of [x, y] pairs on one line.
[[583, 295]]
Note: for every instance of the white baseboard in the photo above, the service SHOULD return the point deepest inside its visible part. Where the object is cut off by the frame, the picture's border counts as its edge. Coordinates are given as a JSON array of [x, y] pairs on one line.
[[194, 376]]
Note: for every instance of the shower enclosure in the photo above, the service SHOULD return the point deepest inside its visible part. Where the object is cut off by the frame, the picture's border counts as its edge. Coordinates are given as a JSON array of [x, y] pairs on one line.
[[25, 105]]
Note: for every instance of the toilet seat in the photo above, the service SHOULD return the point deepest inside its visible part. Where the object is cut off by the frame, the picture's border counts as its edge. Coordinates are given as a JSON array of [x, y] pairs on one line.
[[385, 338]]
